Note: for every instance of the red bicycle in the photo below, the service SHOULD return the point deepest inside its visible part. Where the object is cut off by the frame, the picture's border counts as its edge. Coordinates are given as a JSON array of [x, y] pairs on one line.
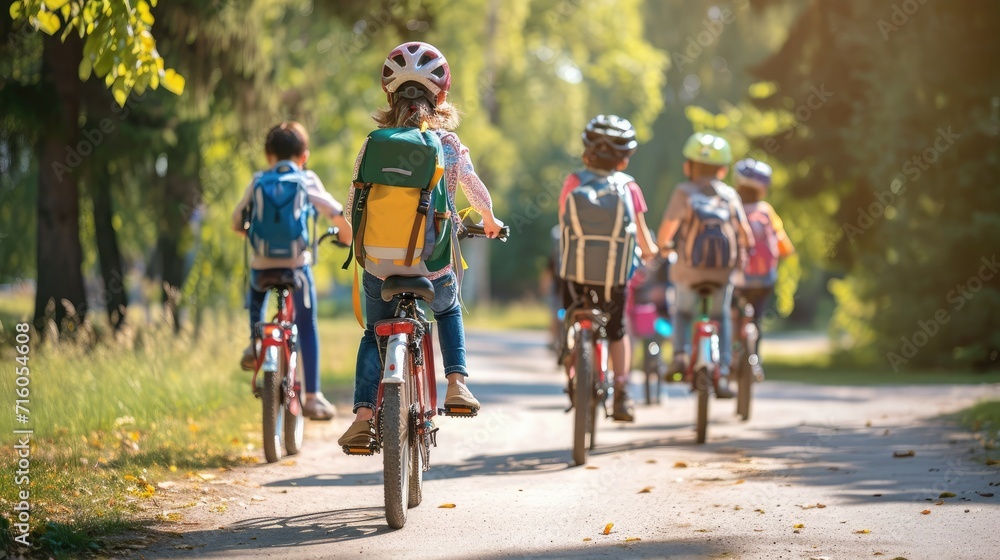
[[407, 395], [280, 391], [704, 370], [746, 363], [585, 357]]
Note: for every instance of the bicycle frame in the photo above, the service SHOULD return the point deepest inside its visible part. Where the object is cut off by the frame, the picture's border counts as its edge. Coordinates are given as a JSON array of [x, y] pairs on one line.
[[409, 334], [705, 349]]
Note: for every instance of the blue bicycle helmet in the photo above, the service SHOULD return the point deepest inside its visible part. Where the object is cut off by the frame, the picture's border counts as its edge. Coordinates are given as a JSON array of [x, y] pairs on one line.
[[753, 173]]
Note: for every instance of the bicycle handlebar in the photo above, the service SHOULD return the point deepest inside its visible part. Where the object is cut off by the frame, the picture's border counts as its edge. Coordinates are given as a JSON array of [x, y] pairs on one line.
[[478, 230], [333, 232]]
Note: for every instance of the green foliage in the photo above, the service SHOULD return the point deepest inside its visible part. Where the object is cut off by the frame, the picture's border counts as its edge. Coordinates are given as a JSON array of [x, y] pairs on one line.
[[119, 44], [902, 157]]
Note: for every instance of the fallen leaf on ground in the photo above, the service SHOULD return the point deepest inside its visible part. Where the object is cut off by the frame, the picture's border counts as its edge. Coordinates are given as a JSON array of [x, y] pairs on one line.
[[738, 508], [812, 506], [680, 465], [862, 531], [446, 506], [591, 467], [702, 530], [607, 528], [907, 453], [992, 462], [651, 461], [288, 463], [985, 494], [758, 510], [819, 558], [886, 432], [646, 490], [947, 495], [799, 526], [632, 539], [939, 503], [585, 539], [868, 424], [740, 481], [926, 512]]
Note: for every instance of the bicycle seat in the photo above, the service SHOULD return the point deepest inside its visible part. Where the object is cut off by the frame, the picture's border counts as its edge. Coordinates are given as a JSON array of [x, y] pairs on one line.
[[416, 285], [705, 288], [274, 278]]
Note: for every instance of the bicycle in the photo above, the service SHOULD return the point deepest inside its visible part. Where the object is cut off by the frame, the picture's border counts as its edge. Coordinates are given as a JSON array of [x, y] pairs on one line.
[[648, 310], [703, 371], [281, 389], [406, 402], [746, 363], [586, 363]]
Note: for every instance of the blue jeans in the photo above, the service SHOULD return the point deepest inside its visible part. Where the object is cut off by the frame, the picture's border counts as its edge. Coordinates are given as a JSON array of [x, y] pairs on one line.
[[688, 305], [305, 322], [451, 335]]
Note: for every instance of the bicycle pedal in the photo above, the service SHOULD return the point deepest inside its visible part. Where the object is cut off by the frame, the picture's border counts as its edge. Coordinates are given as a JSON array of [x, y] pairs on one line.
[[362, 451], [460, 411]]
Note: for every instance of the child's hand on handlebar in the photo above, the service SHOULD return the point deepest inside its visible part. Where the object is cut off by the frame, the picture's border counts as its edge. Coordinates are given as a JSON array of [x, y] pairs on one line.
[[491, 225]]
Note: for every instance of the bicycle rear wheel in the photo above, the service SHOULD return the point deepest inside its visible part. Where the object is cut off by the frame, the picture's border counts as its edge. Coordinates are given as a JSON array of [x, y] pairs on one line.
[[417, 447], [704, 385], [294, 420], [584, 388], [394, 423], [744, 379], [270, 397]]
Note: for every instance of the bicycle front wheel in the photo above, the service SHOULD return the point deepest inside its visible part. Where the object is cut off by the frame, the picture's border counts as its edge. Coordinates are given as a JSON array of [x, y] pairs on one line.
[[270, 397], [704, 385], [394, 423], [584, 393]]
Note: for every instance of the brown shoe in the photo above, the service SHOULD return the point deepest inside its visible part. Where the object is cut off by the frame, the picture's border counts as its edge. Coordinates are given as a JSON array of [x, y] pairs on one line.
[[318, 408], [248, 361], [359, 439], [623, 410], [458, 401]]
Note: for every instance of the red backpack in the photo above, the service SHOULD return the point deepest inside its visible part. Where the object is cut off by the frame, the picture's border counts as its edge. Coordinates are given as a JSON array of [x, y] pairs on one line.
[[765, 253]]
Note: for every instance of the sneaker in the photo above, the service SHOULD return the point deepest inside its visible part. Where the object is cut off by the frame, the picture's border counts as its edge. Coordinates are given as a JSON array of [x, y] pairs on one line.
[[318, 408], [358, 437], [248, 361], [458, 401], [722, 390], [623, 410]]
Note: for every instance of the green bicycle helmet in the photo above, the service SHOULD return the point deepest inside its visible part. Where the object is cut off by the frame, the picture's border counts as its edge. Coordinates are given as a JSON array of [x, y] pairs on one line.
[[708, 148]]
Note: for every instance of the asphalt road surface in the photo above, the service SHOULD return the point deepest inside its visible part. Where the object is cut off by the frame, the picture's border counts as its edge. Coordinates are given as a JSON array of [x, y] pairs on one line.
[[811, 475]]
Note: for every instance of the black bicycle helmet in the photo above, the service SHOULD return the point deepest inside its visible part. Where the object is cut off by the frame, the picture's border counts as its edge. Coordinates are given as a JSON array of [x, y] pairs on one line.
[[610, 136]]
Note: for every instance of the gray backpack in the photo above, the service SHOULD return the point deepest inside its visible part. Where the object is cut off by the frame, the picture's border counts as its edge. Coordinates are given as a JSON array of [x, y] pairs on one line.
[[708, 238], [597, 243]]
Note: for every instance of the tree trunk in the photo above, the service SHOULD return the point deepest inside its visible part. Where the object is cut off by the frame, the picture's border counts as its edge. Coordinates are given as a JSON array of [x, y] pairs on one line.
[[60, 256], [114, 295], [182, 196]]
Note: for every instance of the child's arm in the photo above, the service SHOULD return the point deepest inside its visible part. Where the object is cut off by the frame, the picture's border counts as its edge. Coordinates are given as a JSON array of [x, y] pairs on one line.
[[785, 246], [237, 218], [645, 239], [744, 235], [459, 169], [328, 206], [676, 210]]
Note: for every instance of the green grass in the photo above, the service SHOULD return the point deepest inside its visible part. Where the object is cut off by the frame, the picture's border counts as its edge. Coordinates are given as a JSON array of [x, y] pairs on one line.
[[516, 316], [111, 420], [983, 419], [820, 370]]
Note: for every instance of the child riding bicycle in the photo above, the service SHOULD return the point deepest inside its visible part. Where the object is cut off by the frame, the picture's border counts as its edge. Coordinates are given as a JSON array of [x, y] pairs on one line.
[[602, 218], [771, 243], [279, 200], [714, 241], [416, 79]]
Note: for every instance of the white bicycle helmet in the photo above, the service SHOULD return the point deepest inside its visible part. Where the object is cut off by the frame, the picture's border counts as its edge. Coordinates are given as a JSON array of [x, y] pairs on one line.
[[415, 70]]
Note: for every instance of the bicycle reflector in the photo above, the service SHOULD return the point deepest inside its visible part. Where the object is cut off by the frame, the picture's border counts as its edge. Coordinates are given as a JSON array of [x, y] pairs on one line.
[[394, 327]]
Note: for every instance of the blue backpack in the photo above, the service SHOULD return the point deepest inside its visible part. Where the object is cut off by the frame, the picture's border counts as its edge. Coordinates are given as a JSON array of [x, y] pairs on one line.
[[279, 219]]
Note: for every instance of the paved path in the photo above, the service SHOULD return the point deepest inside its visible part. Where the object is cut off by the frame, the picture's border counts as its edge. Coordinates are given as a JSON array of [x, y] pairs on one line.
[[812, 475]]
